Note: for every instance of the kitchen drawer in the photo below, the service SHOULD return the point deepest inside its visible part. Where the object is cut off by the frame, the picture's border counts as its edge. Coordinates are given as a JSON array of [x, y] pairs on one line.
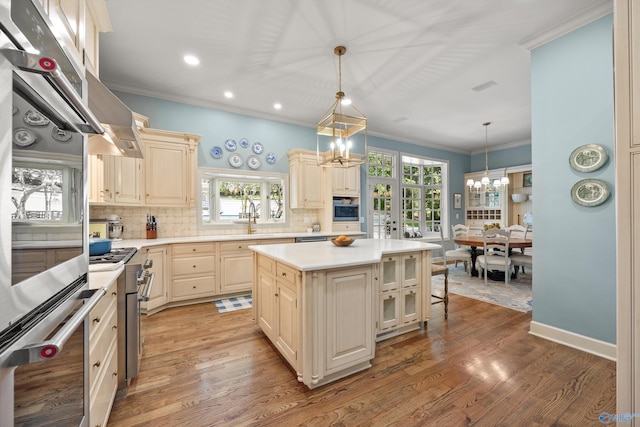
[[192, 248], [102, 397], [240, 245], [346, 226], [267, 265], [97, 315], [100, 345], [285, 273], [193, 288], [275, 241], [194, 265]]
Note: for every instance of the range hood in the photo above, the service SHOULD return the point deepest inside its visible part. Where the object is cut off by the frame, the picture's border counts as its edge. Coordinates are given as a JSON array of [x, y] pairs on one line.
[[121, 136]]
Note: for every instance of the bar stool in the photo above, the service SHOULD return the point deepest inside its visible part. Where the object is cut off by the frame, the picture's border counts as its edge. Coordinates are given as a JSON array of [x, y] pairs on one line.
[[437, 269]]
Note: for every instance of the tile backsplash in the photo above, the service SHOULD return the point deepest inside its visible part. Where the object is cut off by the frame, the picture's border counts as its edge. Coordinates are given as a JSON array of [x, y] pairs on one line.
[[182, 222]]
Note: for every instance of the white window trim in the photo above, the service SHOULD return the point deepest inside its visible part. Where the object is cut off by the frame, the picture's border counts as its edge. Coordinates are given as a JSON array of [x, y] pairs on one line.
[[204, 172]]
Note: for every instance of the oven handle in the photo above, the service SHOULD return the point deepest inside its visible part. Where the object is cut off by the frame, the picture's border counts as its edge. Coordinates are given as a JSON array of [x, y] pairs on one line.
[[49, 67], [146, 292], [47, 350]]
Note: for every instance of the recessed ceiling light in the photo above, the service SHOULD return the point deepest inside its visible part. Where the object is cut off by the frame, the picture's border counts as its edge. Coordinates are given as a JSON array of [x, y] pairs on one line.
[[277, 106], [191, 60], [228, 94]]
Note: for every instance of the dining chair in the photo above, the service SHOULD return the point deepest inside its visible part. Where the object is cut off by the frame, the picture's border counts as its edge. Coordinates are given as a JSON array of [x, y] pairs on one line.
[[496, 253], [437, 269], [459, 253], [524, 259]]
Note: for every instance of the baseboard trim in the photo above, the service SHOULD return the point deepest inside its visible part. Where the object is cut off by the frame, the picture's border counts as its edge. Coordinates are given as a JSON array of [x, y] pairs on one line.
[[571, 339]]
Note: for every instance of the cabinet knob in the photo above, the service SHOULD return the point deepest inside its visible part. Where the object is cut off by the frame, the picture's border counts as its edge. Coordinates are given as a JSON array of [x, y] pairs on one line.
[[194, 249], [147, 194], [284, 274], [194, 266], [97, 364], [114, 374], [96, 320], [194, 287], [114, 293], [114, 327], [276, 295], [240, 247], [389, 297]]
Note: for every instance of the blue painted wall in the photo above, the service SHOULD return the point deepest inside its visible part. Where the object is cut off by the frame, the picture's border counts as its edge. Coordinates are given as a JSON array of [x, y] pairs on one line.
[[572, 105], [217, 126], [514, 156]]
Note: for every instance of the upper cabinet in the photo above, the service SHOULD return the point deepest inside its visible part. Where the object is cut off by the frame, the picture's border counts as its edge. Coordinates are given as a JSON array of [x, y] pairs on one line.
[[78, 24], [345, 181], [115, 180], [171, 163], [306, 180]]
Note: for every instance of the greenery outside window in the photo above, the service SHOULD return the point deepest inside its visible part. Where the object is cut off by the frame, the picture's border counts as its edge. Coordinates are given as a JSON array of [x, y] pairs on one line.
[[423, 203], [230, 198]]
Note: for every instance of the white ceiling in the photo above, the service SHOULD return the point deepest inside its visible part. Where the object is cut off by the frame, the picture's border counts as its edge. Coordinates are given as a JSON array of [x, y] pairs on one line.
[[410, 65]]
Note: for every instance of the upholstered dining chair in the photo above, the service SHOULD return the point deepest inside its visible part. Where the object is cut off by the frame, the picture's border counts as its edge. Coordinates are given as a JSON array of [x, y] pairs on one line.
[[496, 253], [437, 269], [459, 253]]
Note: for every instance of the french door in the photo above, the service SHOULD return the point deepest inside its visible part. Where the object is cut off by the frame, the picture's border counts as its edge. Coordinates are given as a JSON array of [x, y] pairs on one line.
[[383, 208]]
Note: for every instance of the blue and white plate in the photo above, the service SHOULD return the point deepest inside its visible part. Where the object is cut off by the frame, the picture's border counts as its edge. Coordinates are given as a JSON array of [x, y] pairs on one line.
[[253, 162], [257, 148], [60, 135], [34, 118], [271, 158], [235, 160], [216, 152], [230, 145], [23, 137], [244, 142]]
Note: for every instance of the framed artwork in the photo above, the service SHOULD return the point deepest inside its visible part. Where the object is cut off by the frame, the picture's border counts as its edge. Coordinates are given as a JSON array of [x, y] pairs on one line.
[[527, 179], [457, 201]]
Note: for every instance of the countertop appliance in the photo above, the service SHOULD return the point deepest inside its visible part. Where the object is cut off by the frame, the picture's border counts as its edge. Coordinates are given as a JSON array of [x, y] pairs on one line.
[[43, 172], [306, 239], [134, 286]]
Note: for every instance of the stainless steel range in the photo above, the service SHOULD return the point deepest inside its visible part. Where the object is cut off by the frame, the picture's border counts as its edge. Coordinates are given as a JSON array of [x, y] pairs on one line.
[[111, 260]]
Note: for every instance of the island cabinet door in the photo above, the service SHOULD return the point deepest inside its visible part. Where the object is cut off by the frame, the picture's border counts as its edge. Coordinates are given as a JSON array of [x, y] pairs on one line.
[[266, 303], [349, 319], [287, 318]]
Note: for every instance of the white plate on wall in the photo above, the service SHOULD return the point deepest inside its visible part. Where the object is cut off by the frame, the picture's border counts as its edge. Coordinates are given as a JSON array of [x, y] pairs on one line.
[[253, 162], [235, 160]]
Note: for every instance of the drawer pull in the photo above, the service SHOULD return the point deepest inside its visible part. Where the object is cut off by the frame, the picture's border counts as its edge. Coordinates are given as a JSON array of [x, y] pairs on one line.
[[115, 374], [114, 293], [97, 364], [114, 327], [284, 274], [194, 266], [240, 247], [96, 320], [276, 295], [194, 249], [194, 287]]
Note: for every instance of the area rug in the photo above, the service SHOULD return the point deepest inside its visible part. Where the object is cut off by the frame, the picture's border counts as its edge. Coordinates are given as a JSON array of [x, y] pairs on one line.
[[233, 304], [516, 295]]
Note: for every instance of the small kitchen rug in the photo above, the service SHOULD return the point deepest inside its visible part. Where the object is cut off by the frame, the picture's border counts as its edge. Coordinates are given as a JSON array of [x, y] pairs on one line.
[[233, 304]]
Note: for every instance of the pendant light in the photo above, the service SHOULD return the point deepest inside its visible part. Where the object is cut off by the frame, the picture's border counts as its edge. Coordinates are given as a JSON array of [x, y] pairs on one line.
[[485, 183], [342, 131]]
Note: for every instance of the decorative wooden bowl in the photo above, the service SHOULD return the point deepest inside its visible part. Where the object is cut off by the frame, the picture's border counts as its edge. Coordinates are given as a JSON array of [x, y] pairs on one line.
[[342, 242]]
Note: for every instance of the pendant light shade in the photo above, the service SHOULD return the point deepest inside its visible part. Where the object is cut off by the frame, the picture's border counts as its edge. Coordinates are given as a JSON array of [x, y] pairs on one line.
[[485, 182], [342, 131]]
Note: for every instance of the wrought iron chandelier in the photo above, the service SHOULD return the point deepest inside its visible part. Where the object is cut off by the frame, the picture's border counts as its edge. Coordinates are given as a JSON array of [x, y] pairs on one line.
[[342, 132]]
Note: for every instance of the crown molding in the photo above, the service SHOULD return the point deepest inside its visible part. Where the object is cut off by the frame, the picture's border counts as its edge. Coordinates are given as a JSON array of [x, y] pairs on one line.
[[503, 146], [577, 21]]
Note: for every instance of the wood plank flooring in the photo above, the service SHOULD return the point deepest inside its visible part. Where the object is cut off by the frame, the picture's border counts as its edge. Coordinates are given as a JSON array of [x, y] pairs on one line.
[[480, 367]]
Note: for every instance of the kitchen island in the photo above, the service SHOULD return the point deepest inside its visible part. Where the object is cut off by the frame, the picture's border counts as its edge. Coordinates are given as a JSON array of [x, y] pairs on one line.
[[323, 306]]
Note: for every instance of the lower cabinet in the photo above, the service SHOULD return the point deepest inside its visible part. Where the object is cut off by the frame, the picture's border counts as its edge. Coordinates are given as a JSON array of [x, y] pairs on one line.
[[103, 357], [192, 271], [399, 294], [159, 295], [236, 274]]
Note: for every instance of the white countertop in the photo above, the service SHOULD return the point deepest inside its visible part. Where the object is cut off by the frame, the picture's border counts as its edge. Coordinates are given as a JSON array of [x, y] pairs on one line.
[[101, 279], [325, 255], [141, 243]]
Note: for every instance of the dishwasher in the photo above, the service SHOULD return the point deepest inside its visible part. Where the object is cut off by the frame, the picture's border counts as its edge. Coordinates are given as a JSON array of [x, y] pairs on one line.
[[307, 239]]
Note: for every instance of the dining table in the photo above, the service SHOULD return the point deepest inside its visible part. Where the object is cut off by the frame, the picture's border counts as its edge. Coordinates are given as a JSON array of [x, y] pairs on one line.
[[477, 241]]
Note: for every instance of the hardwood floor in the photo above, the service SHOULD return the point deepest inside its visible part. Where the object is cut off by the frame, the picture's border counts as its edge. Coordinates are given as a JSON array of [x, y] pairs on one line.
[[480, 367]]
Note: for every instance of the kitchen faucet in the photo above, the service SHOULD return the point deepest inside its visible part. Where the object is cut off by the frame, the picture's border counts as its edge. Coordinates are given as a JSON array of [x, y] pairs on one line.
[[252, 207]]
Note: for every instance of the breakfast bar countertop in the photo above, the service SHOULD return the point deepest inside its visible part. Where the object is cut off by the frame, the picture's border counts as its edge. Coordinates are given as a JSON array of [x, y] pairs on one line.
[[325, 255]]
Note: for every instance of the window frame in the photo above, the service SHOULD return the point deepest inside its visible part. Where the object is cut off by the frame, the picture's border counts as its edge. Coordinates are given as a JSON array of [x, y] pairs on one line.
[[265, 178]]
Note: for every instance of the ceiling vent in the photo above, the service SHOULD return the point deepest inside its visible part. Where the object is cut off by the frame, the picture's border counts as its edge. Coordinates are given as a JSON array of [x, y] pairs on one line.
[[484, 86]]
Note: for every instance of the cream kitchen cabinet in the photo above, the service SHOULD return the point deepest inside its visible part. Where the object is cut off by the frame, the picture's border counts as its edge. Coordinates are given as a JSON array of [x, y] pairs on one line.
[[399, 294], [306, 180], [103, 357], [159, 292], [192, 271], [345, 181], [115, 180], [171, 165]]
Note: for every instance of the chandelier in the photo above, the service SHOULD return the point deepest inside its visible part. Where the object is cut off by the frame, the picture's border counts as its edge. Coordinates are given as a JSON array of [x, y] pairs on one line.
[[342, 132], [485, 182]]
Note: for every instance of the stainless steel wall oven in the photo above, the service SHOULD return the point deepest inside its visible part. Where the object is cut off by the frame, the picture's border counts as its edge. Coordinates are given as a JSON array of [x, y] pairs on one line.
[[44, 123]]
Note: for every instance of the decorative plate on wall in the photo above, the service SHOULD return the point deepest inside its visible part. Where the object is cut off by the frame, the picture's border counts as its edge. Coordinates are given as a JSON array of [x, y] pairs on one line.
[[590, 192], [34, 118], [244, 142], [216, 152], [23, 137], [271, 158], [588, 158], [253, 162], [230, 145], [60, 135], [257, 148], [235, 160]]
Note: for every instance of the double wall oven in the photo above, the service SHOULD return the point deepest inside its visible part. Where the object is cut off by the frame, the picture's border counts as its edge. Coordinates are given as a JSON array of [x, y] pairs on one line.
[[44, 297]]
